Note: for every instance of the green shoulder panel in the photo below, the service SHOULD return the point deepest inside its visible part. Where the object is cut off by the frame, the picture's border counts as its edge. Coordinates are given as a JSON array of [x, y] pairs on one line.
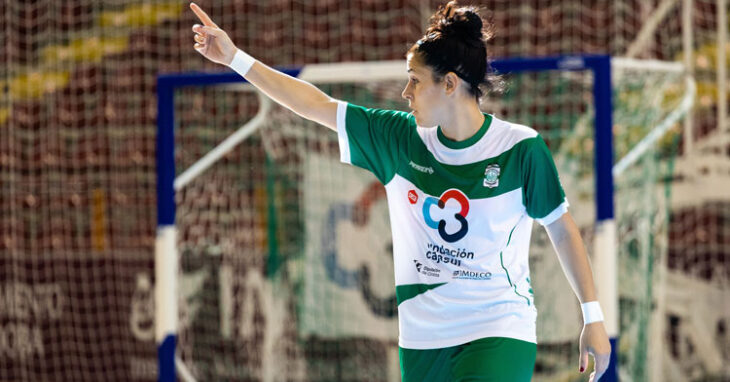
[[541, 192], [377, 138]]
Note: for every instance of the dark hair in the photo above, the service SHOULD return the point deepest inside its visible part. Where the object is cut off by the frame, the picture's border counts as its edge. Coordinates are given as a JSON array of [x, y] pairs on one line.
[[456, 41]]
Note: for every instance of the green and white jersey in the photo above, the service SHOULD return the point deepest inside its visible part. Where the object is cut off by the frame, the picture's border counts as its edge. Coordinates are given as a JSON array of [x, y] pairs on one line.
[[461, 216]]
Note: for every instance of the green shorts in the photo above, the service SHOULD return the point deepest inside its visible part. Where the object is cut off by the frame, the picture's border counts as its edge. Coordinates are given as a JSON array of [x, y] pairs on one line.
[[487, 359]]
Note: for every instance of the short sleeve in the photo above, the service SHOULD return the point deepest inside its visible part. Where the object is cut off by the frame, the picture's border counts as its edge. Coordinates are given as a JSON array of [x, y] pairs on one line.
[[542, 193], [372, 138]]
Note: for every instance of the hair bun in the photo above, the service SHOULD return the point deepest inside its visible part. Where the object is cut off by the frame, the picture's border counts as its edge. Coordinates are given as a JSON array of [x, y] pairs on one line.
[[459, 22]]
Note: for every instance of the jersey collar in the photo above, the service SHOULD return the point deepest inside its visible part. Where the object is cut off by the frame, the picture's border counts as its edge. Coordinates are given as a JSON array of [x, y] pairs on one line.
[[467, 142]]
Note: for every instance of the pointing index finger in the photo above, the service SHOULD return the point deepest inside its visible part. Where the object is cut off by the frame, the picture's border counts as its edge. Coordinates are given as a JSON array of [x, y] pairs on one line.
[[202, 16]]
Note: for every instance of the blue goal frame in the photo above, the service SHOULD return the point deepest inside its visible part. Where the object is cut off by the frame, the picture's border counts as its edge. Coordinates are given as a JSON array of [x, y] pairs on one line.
[[166, 256]]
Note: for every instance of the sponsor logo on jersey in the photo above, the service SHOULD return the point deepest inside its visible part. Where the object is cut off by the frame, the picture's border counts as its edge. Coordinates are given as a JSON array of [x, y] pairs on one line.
[[442, 254], [460, 217], [418, 265], [412, 196], [491, 176], [426, 270], [418, 167], [471, 275]]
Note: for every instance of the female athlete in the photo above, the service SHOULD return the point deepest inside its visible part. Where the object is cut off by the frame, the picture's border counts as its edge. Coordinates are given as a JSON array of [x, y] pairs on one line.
[[463, 190]]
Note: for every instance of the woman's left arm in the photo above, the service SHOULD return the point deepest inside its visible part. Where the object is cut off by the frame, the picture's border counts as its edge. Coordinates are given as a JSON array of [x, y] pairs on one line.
[[568, 244]]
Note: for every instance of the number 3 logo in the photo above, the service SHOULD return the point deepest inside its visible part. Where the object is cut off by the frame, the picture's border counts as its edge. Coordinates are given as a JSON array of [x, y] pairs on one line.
[[460, 216]]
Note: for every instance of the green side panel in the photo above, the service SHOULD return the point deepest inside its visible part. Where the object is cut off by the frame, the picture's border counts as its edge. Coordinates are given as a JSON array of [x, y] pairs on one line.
[[509, 279], [406, 292]]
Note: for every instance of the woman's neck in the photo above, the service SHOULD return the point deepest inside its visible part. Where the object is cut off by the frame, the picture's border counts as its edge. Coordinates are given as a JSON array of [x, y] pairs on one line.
[[463, 122]]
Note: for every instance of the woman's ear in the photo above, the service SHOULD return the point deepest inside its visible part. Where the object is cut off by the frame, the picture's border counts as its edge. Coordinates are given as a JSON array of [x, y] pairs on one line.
[[451, 82]]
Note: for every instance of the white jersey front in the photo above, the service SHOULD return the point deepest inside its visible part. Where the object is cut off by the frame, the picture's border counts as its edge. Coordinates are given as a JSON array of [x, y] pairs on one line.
[[461, 216]]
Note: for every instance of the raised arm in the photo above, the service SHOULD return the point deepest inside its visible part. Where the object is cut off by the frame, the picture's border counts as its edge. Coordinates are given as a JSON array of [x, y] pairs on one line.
[[568, 244], [298, 96]]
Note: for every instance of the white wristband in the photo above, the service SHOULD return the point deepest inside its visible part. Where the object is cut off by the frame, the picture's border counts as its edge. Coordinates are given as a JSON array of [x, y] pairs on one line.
[[591, 312], [241, 62]]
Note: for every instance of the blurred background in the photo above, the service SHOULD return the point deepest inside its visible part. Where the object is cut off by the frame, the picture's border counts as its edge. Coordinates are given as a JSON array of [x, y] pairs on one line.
[[78, 122]]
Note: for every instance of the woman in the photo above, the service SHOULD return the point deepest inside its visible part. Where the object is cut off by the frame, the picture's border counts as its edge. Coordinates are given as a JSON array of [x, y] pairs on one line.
[[462, 198]]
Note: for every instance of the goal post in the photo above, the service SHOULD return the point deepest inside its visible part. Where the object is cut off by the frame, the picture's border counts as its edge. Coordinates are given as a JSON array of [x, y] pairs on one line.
[[582, 82]]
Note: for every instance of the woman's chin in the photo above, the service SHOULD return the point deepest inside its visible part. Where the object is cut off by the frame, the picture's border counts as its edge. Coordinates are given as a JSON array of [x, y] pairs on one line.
[[419, 120]]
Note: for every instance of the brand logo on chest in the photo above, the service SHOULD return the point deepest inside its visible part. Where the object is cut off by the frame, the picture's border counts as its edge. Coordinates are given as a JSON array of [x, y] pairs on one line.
[[423, 169], [491, 176]]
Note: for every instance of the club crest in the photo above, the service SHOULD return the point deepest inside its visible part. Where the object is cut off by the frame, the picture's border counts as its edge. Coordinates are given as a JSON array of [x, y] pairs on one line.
[[491, 176]]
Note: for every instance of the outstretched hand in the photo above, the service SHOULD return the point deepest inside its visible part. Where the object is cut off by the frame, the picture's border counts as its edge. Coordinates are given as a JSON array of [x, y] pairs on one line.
[[594, 341], [210, 40]]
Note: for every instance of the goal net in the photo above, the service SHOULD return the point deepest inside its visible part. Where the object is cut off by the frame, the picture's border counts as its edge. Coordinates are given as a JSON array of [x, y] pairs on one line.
[[285, 264]]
